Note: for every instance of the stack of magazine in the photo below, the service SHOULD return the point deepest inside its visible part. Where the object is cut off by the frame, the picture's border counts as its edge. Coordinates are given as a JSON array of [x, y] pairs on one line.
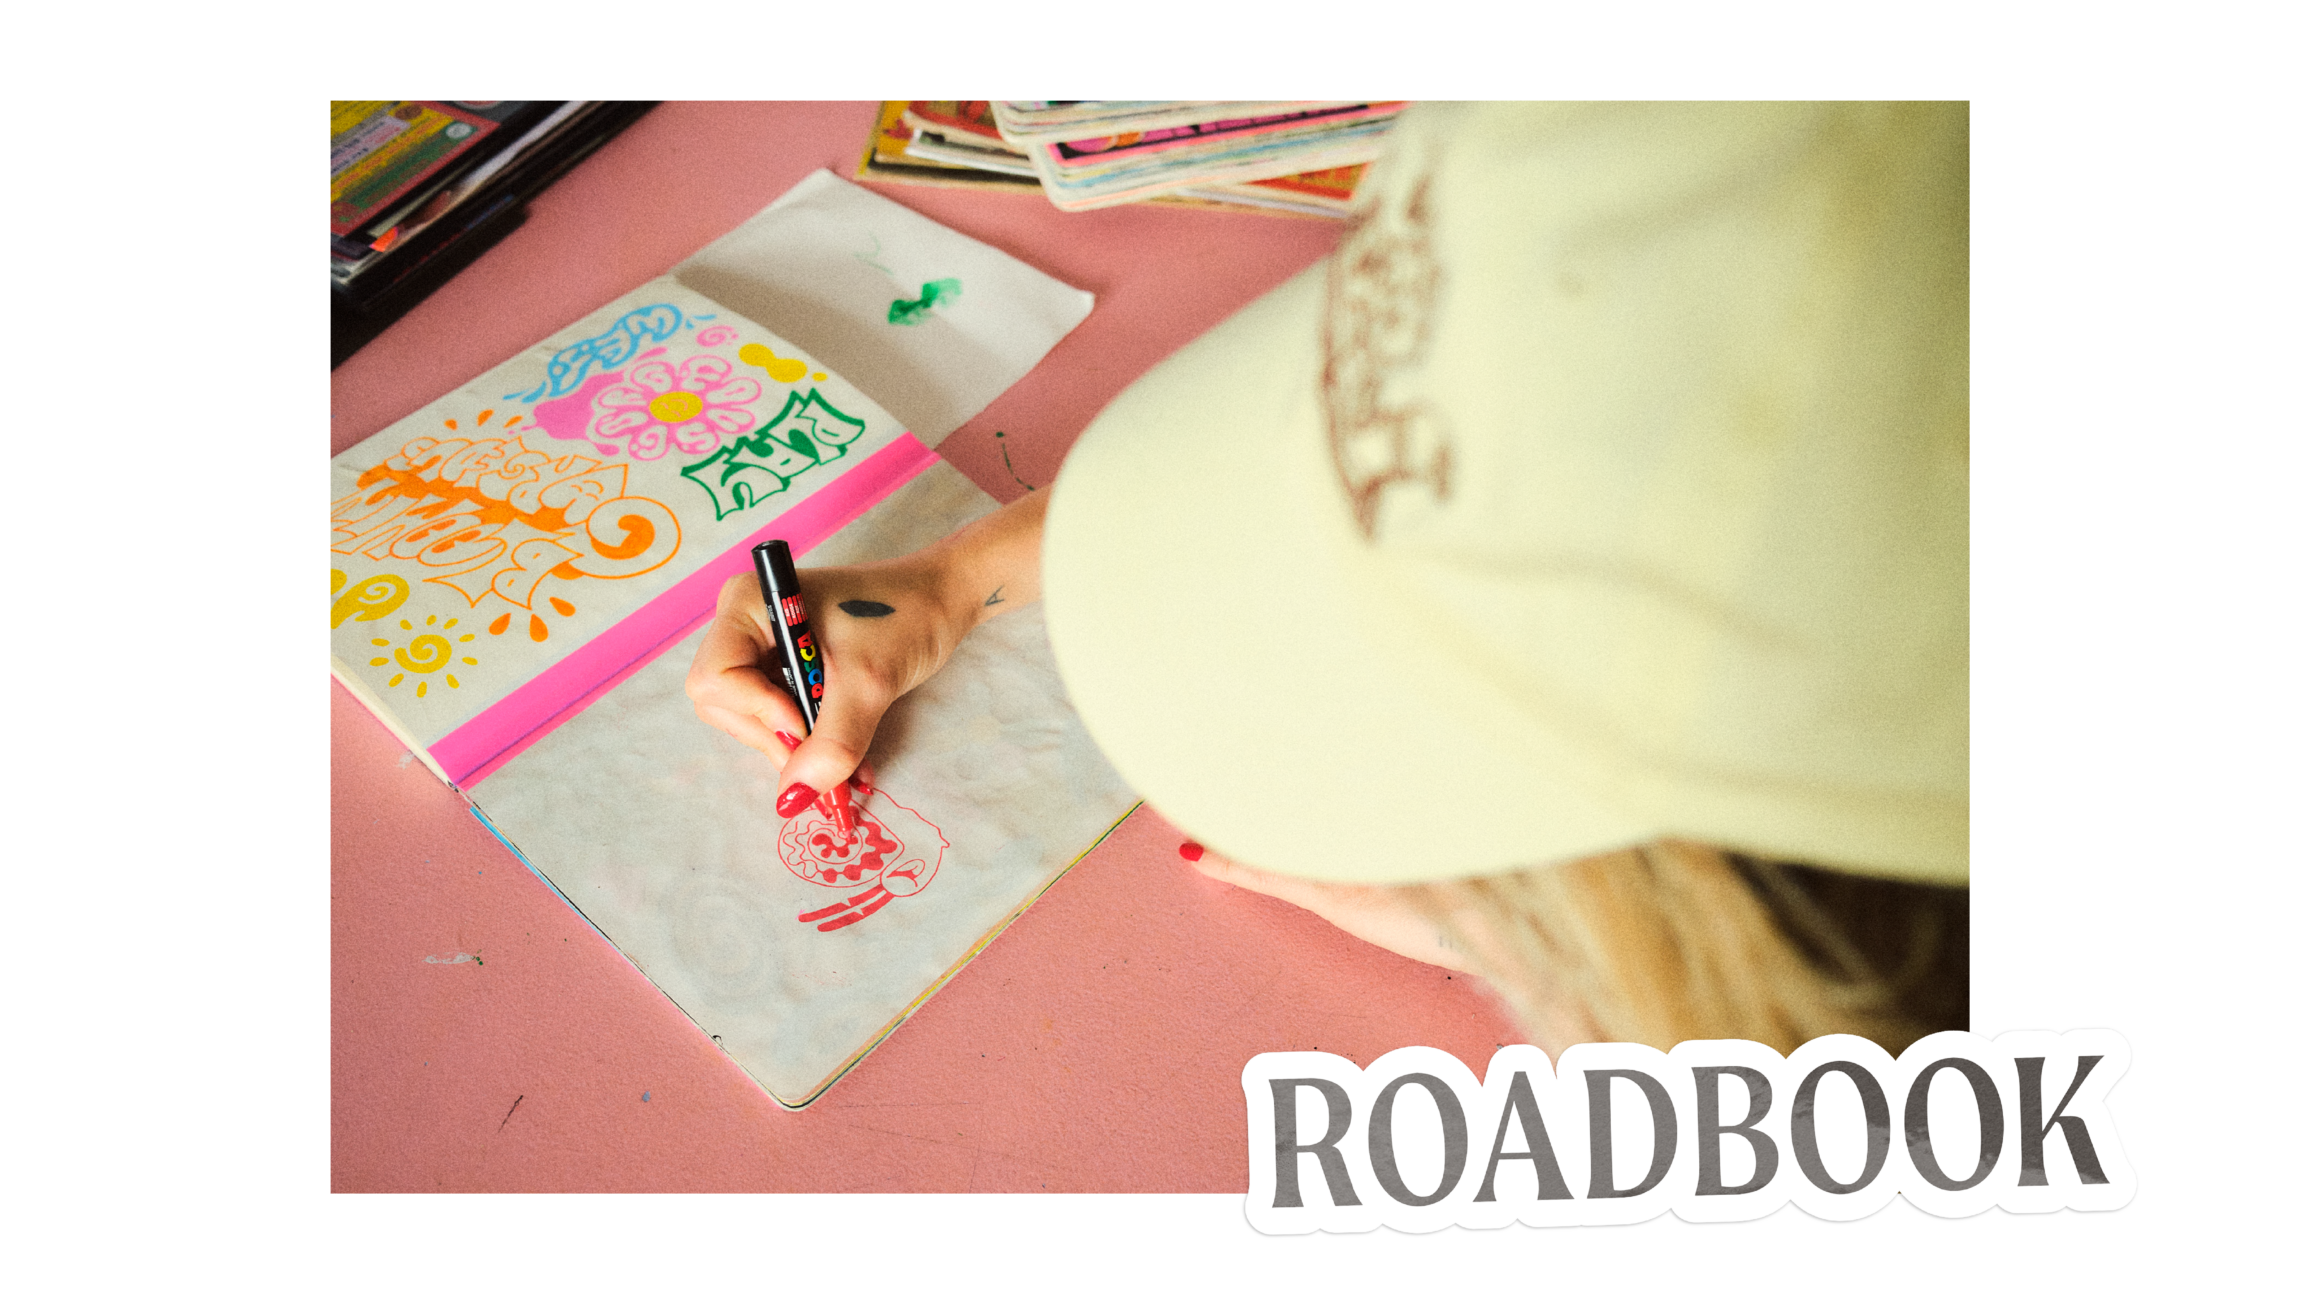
[[1300, 158], [418, 189]]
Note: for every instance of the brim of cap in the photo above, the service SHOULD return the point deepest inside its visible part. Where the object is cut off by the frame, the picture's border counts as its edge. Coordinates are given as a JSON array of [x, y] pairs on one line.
[[1219, 627]]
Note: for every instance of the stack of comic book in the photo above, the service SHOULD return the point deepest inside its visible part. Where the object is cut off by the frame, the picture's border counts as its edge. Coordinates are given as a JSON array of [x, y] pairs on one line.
[[417, 189], [1292, 158]]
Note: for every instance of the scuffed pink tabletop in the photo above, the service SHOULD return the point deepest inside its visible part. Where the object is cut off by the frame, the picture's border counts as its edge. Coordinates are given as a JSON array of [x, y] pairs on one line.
[[486, 1039]]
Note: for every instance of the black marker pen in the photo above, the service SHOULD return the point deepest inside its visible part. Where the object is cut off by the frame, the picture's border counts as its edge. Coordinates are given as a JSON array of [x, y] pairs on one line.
[[802, 655], [802, 659]]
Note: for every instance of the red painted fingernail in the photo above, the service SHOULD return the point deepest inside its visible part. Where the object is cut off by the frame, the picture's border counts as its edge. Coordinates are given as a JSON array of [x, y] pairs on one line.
[[1192, 850], [789, 742], [794, 800]]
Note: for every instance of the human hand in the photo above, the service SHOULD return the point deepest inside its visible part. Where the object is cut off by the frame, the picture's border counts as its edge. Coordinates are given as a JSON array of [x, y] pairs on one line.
[[1442, 924], [884, 627], [871, 657], [1398, 918]]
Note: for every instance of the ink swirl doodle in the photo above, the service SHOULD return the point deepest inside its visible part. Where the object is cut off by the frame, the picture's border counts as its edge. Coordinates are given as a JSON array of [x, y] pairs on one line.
[[371, 599], [424, 654], [718, 930]]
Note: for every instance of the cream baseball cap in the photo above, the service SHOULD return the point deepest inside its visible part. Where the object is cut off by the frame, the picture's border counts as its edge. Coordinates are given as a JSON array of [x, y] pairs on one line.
[[1608, 483]]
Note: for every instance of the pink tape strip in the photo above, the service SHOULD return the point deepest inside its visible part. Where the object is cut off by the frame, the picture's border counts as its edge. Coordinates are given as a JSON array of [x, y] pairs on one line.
[[559, 693]]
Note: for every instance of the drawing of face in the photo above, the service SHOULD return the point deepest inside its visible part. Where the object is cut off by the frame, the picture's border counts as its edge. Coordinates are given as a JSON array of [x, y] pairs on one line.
[[893, 847], [813, 850]]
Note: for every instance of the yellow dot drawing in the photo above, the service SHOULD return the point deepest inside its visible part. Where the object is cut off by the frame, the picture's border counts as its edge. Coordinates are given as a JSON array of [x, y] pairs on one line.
[[675, 406], [784, 369], [819, 375]]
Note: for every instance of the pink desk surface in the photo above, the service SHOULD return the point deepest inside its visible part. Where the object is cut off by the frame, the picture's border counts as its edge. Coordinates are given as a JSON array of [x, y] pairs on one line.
[[1095, 1046]]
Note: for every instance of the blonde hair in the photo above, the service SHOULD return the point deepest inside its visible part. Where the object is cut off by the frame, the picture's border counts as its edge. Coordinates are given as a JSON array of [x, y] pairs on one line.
[[1675, 940]]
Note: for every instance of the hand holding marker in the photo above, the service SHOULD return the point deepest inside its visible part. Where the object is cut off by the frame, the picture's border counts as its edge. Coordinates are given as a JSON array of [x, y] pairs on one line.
[[803, 663]]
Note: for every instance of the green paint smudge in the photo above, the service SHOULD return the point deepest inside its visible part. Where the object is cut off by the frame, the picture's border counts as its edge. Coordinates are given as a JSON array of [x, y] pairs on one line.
[[910, 312]]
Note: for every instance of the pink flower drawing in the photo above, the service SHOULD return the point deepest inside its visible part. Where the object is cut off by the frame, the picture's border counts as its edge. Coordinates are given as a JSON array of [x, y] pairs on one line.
[[656, 407]]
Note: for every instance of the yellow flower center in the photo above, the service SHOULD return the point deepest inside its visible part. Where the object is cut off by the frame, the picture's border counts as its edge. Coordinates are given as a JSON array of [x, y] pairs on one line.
[[675, 406]]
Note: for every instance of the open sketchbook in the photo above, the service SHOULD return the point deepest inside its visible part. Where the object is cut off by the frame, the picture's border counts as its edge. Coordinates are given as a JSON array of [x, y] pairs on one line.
[[519, 571]]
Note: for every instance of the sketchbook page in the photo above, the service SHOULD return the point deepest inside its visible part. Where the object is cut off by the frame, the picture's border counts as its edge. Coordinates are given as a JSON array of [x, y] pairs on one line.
[[795, 952], [935, 325], [514, 543]]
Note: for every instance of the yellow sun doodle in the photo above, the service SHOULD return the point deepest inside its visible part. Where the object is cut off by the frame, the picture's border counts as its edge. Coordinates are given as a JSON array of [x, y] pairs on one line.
[[427, 652]]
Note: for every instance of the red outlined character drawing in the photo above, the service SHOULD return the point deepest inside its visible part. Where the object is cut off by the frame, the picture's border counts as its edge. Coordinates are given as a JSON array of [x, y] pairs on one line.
[[894, 854]]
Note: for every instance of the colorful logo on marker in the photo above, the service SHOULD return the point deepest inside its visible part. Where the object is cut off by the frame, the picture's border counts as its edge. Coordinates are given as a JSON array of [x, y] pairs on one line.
[[806, 645]]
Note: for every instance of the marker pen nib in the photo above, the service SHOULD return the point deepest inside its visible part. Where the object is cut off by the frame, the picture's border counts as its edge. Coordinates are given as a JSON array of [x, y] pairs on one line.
[[846, 814]]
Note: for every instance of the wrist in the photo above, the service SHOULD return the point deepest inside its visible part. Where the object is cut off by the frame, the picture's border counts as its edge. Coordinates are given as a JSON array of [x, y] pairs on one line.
[[990, 566], [950, 589]]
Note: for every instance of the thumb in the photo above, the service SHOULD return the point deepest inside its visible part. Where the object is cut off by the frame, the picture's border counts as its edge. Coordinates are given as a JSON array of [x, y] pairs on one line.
[[843, 730]]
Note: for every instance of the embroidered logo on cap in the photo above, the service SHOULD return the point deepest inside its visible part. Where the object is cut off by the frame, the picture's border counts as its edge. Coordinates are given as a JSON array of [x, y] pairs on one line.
[[1381, 295]]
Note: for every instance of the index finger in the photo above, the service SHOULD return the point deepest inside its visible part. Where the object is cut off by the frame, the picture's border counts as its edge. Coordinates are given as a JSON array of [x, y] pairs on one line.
[[732, 688]]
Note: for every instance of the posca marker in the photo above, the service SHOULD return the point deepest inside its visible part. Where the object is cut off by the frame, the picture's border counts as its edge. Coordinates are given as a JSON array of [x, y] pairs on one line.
[[802, 654], [802, 659], [835, 806]]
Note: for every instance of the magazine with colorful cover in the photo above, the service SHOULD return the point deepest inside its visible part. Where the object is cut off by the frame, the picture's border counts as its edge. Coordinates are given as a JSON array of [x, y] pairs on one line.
[[1082, 171]]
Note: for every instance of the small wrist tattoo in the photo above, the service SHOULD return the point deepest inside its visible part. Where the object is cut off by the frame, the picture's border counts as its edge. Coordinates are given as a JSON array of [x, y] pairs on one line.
[[866, 609], [994, 599]]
